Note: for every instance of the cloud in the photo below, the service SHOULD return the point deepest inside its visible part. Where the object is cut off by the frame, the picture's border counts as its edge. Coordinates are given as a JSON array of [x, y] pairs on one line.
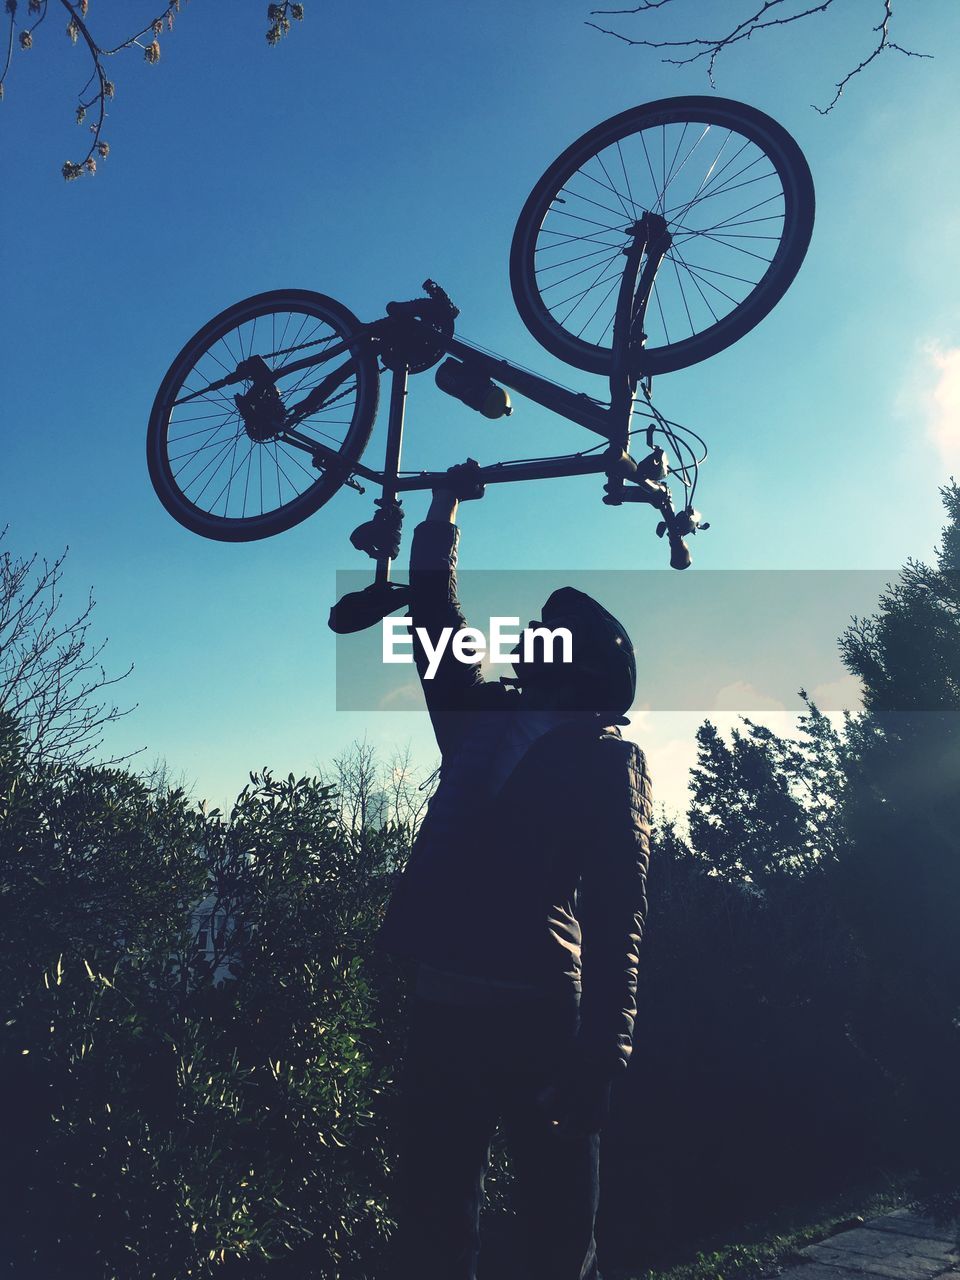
[[843, 694], [941, 401], [403, 698], [742, 696]]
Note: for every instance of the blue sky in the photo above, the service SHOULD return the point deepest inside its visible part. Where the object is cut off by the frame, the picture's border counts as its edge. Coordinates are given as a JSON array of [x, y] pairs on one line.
[[377, 146]]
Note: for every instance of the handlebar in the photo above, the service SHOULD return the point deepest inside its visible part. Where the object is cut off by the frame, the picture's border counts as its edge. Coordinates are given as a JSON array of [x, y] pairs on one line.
[[647, 484]]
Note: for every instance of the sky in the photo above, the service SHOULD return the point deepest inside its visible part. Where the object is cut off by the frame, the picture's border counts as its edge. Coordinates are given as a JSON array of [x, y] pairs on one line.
[[382, 144]]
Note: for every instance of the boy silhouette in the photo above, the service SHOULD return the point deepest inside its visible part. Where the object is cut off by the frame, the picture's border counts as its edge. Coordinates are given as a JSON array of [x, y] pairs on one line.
[[522, 906]]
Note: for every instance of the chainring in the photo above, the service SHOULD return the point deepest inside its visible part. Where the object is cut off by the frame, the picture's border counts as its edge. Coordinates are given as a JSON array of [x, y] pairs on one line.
[[415, 345]]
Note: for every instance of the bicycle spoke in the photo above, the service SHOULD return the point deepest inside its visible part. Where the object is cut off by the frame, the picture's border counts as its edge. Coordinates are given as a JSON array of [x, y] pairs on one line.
[[686, 158], [704, 182], [668, 177], [565, 213], [596, 203], [713, 176], [712, 195], [614, 284], [626, 179], [577, 298], [673, 263], [246, 483], [696, 266], [657, 189], [580, 257], [207, 443], [663, 318], [737, 248], [629, 216], [229, 484], [710, 285], [566, 238], [553, 284], [697, 287], [213, 462]]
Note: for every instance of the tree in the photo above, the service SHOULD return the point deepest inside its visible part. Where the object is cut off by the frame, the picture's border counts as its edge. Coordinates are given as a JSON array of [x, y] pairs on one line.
[[765, 806], [757, 18], [25, 17], [901, 873], [51, 680], [746, 983]]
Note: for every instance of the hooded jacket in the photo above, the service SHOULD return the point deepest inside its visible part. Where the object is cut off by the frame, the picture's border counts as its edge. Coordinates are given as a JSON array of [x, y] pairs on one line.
[[537, 877]]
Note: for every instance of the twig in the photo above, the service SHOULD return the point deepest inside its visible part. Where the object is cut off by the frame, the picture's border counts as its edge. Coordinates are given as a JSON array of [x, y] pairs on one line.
[[147, 39], [883, 27], [761, 19]]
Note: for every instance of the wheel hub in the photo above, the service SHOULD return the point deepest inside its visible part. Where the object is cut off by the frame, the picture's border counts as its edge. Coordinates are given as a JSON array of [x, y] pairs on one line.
[[261, 406]]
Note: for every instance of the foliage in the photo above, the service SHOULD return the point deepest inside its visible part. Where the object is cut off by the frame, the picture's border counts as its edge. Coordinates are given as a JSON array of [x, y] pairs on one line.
[[171, 1123], [24, 17]]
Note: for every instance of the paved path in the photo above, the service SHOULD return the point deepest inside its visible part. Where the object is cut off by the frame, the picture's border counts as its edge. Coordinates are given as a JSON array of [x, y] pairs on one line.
[[898, 1246]]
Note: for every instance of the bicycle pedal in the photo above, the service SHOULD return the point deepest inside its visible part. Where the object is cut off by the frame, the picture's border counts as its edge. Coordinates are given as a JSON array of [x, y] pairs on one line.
[[358, 610]]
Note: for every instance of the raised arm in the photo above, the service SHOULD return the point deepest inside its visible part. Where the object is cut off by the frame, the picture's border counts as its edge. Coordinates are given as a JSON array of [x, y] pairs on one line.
[[456, 687]]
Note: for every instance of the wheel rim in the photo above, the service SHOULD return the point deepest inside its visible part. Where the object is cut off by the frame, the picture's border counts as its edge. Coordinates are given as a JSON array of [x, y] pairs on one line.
[[732, 186], [223, 479]]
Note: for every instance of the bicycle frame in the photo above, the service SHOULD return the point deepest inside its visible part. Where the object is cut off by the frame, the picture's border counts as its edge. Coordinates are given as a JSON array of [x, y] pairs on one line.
[[650, 242]]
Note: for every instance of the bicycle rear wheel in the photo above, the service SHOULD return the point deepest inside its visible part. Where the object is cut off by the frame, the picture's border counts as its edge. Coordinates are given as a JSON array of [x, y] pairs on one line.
[[738, 198], [236, 476]]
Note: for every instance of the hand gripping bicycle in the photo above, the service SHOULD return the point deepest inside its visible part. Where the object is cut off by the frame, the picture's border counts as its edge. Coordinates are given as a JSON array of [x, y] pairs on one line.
[[657, 239]]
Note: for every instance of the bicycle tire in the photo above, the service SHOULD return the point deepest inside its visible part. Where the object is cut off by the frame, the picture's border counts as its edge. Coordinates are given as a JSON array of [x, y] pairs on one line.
[[320, 314], [757, 131]]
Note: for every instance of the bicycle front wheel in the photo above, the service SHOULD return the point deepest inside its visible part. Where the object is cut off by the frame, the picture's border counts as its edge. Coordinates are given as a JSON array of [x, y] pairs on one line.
[[738, 199], [230, 434]]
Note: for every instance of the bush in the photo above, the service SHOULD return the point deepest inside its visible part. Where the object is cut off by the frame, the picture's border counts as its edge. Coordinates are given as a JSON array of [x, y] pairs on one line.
[[183, 1112]]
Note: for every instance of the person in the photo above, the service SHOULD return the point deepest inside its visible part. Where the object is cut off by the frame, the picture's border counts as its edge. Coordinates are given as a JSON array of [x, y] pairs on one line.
[[521, 907]]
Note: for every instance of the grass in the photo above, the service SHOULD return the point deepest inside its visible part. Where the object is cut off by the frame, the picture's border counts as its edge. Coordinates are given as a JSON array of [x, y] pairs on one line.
[[762, 1249]]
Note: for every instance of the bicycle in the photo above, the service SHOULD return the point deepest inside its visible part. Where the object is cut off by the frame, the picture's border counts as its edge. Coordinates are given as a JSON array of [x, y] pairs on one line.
[[287, 382]]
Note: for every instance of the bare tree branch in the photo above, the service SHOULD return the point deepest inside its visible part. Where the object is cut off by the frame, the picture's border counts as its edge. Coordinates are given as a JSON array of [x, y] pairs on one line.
[[768, 15], [883, 28], [51, 677]]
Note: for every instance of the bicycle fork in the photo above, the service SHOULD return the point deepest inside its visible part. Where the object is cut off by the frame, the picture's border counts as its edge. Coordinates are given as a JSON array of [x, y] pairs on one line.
[[650, 241]]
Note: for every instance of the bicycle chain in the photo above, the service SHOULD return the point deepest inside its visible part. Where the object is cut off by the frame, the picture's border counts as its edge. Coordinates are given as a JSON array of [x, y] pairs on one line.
[[314, 342], [327, 403]]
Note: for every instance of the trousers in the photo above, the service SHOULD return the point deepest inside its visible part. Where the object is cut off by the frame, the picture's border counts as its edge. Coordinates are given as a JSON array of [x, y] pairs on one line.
[[468, 1071]]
